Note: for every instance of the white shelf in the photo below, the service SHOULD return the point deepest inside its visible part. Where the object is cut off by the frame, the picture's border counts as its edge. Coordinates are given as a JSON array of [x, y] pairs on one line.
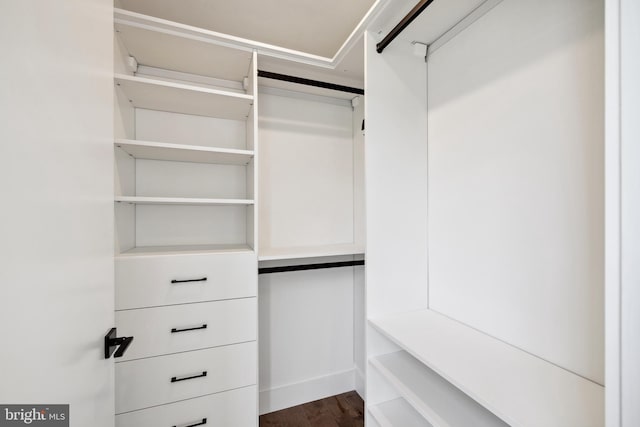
[[182, 201], [183, 153], [398, 413], [518, 387], [182, 98], [180, 51], [436, 399], [271, 254], [184, 250]]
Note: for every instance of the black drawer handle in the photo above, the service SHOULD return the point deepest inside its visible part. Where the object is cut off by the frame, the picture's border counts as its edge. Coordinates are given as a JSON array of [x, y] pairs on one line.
[[201, 423], [204, 279], [175, 330], [176, 379]]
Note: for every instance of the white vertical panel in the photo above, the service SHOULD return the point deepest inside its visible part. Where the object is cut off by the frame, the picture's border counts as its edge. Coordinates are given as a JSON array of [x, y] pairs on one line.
[[57, 216], [395, 179], [612, 215], [630, 209], [516, 179], [305, 333]]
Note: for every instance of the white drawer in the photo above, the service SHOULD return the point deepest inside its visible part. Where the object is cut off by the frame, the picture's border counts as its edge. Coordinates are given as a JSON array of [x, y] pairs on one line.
[[178, 328], [235, 408], [149, 281], [159, 380]]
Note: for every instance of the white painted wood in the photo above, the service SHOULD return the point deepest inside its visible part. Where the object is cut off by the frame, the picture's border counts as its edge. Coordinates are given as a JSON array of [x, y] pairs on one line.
[[306, 335], [436, 399], [183, 153], [613, 231], [147, 382], [156, 178], [630, 210], [310, 252], [397, 413], [145, 281], [395, 179], [182, 54], [172, 128], [57, 268], [518, 387], [224, 409], [183, 249], [174, 225], [182, 98], [306, 174], [307, 390], [227, 322], [516, 195], [181, 201]]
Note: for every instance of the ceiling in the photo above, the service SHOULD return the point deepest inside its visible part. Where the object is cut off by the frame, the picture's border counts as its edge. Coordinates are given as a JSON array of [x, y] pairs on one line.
[[317, 27]]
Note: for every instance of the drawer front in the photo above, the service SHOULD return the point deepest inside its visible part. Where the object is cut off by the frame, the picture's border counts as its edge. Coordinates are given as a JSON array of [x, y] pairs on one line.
[[172, 329], [235, 408], [159, 380], [149, 281]]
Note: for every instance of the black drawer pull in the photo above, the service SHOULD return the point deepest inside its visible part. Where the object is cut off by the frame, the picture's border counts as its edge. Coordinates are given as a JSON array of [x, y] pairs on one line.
[[204, 279], [201, 423], [175, 330], [176, 379]]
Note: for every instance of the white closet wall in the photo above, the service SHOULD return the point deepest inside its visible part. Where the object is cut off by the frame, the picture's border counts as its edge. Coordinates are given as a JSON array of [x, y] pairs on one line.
[[311, 212], [485, 217], [516, 197]]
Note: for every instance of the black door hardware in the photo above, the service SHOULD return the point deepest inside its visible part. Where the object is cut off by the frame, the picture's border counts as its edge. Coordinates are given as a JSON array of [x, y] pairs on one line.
[[176, 379], [201, 423], [111, 342], [174, 330], [204, 279]]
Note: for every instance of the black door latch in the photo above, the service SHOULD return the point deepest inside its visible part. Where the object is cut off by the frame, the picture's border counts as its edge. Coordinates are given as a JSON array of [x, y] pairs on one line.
[[111, 342]]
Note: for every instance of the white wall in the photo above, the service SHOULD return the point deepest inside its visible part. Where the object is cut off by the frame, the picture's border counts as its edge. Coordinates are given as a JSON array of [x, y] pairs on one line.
[[306, 172], [311, 166], [57, 214], [516, 191]]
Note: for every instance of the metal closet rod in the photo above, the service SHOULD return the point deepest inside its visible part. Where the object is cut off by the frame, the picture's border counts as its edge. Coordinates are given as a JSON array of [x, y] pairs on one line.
[[286, 268], [408, 19], [309, 82]]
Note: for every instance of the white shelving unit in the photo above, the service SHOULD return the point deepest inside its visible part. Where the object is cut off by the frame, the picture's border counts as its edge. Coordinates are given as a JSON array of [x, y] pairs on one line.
[[154, 94], [484, 283], [272, 254], [182, 201], [184, 153], [186, 222], [397, 413], [435, 399], [485, 369]]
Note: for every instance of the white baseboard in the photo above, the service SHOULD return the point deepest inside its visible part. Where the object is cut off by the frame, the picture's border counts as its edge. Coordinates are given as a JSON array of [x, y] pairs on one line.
[[306, 391]]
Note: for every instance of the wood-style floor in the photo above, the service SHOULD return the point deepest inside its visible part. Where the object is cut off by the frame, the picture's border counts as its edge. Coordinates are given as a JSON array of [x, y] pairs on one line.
[[343, 410]]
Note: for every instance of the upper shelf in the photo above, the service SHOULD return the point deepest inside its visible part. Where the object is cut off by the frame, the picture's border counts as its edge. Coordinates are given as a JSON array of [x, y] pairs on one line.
[[269, 254], [141, 36], [161, 95], [144, 200], [184, 153], [521, 389]]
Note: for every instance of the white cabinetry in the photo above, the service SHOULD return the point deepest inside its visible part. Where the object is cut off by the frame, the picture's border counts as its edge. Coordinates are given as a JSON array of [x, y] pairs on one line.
[[484, 216], [185, 205]]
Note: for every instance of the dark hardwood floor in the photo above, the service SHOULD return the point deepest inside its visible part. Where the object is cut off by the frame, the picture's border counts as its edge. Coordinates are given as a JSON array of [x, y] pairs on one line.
[[343, 410]]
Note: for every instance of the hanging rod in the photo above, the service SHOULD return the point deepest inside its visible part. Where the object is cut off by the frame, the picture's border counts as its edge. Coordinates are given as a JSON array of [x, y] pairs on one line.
[[309, 82], [413, 14], [286, 268]]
